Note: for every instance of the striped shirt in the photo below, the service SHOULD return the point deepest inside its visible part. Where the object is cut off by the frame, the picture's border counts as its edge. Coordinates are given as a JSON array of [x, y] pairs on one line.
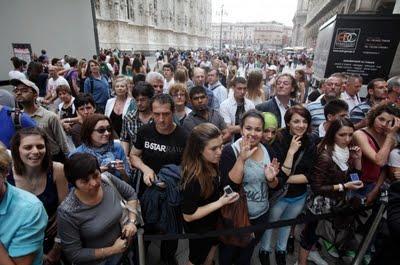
[[359, 112], [316, 110]]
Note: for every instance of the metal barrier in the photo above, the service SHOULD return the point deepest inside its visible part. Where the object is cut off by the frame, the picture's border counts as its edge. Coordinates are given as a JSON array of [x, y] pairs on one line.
[[300, 220]]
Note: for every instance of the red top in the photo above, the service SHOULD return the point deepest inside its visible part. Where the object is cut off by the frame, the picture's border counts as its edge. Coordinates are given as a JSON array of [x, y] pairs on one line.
[[370, 170]]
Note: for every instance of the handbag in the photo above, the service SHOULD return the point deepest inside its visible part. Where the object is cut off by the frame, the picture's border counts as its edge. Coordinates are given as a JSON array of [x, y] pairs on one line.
[[126, 209], [235, 215], [275, 196]]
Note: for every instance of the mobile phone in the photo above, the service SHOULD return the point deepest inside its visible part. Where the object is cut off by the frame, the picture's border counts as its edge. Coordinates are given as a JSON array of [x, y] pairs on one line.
[[354, 177], [228, 190], [159, 183]]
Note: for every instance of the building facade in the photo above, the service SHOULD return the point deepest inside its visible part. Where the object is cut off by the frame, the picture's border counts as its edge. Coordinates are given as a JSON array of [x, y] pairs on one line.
[[260, 35], [312, 14], [149, 25]]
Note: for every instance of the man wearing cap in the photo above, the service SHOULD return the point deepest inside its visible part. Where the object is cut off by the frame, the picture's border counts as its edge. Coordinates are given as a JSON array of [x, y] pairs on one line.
[[26, 93]]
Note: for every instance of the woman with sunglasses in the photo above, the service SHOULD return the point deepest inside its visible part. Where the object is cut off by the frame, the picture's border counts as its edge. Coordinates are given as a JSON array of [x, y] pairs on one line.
[[97, 139], [34, 172]]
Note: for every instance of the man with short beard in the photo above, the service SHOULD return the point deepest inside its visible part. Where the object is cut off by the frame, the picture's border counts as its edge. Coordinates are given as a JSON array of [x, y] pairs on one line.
[[377, 92], [26, 93], [133, 120], [158, 143], [202, 113]]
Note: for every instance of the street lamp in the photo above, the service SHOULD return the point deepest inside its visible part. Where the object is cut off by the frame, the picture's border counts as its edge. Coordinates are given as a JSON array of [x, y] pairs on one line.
[[220, 29]]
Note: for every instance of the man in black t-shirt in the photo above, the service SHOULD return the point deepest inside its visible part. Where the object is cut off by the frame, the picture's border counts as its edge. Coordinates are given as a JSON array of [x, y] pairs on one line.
[[159, 144]]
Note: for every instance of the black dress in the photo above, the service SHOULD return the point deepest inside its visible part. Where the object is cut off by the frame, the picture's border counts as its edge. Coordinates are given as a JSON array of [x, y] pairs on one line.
[[192, 199]]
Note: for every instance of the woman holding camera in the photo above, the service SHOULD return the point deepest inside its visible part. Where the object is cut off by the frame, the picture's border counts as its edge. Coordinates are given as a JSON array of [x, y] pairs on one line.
[[246, 164], [89, 219], [201, 189], [97, 140], [334, 164]]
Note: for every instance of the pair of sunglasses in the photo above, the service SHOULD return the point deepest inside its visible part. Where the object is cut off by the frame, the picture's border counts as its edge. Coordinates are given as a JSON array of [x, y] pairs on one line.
[[103, 130]]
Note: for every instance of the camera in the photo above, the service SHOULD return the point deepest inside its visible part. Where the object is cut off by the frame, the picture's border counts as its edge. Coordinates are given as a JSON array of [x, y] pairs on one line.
[[112, 165]]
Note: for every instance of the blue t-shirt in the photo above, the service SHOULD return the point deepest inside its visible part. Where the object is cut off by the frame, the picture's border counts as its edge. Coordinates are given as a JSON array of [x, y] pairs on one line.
[[7, 128], [23, 221]]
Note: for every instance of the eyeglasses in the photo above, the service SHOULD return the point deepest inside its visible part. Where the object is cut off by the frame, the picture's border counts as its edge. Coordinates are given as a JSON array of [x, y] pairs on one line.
[[178, 95], [103, 130]]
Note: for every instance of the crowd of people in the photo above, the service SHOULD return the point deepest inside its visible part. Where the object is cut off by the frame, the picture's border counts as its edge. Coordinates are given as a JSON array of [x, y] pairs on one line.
[[92, 151]]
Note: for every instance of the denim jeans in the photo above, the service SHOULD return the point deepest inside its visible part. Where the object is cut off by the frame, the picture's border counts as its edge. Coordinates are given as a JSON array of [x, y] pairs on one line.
[[283, 209]]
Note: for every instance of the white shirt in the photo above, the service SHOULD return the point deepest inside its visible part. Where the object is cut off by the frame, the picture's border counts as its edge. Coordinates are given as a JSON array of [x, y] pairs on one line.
[[321, 130], [15, 74], [110, 106], [228, 109], [53, 84], [167, 85], [219, 91], [282, 110], [351, 101]]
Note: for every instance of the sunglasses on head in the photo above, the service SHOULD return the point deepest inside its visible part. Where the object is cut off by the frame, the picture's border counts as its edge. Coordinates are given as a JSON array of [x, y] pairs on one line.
[[103, 130]]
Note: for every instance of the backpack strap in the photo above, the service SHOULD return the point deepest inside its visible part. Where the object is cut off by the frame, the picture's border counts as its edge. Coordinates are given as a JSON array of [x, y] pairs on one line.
[[91, 85], [16, 116]]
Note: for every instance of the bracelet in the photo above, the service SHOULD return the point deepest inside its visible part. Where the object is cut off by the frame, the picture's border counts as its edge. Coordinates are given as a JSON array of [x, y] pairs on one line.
[[341, 187], [288, 168], [102, 253], [131, 222]]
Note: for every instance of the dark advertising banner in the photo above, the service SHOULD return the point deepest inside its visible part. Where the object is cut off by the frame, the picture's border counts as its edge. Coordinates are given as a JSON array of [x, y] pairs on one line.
[[22, 51], [363, 44]]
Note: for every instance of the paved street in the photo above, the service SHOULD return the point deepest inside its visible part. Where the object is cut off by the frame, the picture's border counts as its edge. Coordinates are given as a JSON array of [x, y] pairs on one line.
[[183, 253]]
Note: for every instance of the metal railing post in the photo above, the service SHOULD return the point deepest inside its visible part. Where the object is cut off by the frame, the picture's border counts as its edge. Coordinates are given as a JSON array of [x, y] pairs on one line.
[[141, 248]]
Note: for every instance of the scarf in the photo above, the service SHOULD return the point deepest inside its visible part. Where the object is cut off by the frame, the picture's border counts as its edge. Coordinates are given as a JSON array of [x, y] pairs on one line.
[[340, 156], [104, 154]]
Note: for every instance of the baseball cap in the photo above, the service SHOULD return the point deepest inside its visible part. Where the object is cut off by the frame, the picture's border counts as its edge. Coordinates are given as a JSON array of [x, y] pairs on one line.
[[16, 82]]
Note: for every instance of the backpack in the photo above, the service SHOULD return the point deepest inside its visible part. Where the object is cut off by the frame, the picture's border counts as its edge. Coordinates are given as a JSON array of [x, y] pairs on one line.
[[68, 77], [105, 71], [16, 118]]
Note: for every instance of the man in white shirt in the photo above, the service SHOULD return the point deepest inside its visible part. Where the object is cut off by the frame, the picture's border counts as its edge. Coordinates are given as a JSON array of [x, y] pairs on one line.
[[54, 81], [17, 73], [219, 91], [232, 108], [168, 72], [350, 95]]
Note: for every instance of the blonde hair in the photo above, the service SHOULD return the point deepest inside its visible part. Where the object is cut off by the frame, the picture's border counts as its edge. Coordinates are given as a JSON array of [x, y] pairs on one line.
[[120, 79]]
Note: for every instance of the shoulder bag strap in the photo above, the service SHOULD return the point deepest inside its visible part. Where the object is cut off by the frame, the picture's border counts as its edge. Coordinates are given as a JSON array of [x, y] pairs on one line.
[[297, 162]]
